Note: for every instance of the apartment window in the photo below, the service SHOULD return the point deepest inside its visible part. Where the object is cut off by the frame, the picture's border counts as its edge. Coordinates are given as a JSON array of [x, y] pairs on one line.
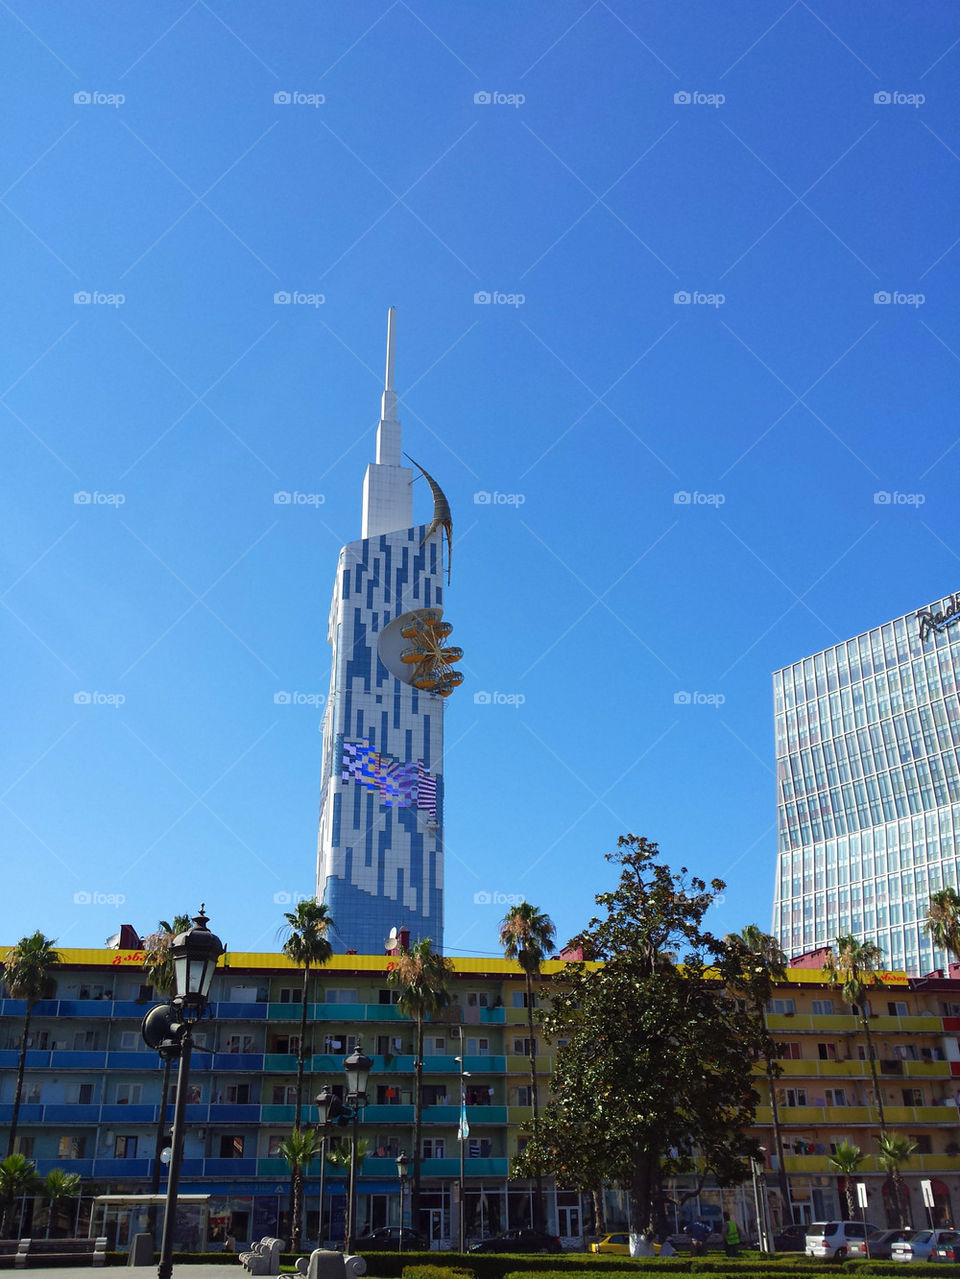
[[273, 1145], [790, 1052], [823, 1008], [129, 1094], [520, 999], [478, 999], [478, 1047], [390, 1095], [284, 1095], [85, 1040], [335, 1044], [194, 1093], [238, 1094], [144, 994], [388, 996], [912, 1096], [24, 1146], [827, 1052], [524, 1095], [386, 1147], [896, 1008], [243, 1044], [33, 1094], [339, 995], [125, 1148], [792, 1096], [923, 1143], [291, 995], [71, 1147], [781, 1006], [434, 1094], [129, 1041], [521, 1047], [289, 1045], [433, 1147], [387, 1045], [906, 1052], [80, 1094], [40, 1039], [836, 1097], [862, 1052], [481, 1149], [231, 1146]]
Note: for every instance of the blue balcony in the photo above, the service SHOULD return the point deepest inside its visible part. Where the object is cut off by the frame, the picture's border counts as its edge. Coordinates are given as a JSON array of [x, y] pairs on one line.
[[64, 1059], [132, 1061], [475, 1115], [35, 1059], [124, 1168], [230, 1167], [389, 1115], [99, 1008], [29, 1114], [494, 1167], [238, 1061], [82, 1166], [240, 1012], [279, 1114], [485, 1065], [117, 1113], [285, 1063], [132, 1008], [66, 1114], [197, 1113], [224, 1113]]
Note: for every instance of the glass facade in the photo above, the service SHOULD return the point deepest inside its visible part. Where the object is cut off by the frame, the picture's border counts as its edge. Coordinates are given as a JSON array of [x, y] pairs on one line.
[[868, 787]]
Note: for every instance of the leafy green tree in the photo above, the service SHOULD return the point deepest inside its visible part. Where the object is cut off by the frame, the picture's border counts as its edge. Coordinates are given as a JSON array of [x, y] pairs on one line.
[[57, 1188], [943, 921], [27, 971], [895, 1152], [527, 935], [308, 946], [299, 1150], [654, 1078], [853, 967], [847, 1160], [760, 964], [421, 976], [18, 1177]]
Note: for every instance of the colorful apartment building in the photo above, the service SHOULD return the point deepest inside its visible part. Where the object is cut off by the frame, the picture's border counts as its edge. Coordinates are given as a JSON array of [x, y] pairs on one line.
[[92, 1091]]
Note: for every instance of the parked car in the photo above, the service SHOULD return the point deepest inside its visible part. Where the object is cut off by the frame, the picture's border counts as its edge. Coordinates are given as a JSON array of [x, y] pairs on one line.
[[790, 1239], [946, 1250], [833, 1238], [880, 1244], [525, 1240], [388, 1239], [618, 1244], [922, 1246]]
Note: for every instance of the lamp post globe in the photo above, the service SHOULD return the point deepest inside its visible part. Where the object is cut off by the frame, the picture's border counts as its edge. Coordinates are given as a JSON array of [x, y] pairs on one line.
[[195, 953], [357, 1069]]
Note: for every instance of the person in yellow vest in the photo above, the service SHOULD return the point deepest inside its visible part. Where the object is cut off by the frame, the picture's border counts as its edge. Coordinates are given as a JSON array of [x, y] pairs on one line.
[[731, 1236]]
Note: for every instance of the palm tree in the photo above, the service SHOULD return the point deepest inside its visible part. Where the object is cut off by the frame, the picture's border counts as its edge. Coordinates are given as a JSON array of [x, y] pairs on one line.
[[847, 1159], [421, 976], [57, 1188], [894, 1153], [18, 1177], [299, 1150], [761, 965], [853, 967], [307, 945], [526, 935], [28, 975], [943, 921], [158, 965]]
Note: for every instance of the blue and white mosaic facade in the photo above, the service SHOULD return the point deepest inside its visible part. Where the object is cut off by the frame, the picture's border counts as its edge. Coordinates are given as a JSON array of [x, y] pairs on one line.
[[868, 787]]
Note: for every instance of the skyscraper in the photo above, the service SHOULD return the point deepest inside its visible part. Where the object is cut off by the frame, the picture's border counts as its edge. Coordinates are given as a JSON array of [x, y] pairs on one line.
[[380, 844], [868, 787]]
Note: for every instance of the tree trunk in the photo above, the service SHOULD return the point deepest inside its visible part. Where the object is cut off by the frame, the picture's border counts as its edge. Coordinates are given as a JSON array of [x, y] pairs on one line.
[[295, 1175], [865, 1019], [641, 1188], [899, 1198], [599, 1216], [18, 1090], [539, 1221], [417, 1127], [782, 1180]]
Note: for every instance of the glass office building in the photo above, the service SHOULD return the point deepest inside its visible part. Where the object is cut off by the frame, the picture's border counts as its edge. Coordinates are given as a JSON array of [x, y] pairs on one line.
[[868, 787]]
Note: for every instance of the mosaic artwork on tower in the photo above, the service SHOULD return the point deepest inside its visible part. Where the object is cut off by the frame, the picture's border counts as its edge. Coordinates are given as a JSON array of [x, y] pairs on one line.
[[380, 840]]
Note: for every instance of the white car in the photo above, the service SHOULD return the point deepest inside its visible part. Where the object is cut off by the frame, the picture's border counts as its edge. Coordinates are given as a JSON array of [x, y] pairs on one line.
[[922, 1245], [831, 1238]]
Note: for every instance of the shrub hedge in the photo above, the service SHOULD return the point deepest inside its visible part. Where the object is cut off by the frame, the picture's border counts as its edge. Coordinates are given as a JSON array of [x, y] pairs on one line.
[[437, 1272]]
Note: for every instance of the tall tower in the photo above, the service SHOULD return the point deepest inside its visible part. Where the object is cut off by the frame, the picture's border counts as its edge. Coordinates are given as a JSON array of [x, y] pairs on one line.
[[380, 844]]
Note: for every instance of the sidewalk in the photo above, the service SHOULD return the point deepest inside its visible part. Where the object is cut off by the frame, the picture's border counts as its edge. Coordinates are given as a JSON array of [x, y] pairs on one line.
[[136, 1272]]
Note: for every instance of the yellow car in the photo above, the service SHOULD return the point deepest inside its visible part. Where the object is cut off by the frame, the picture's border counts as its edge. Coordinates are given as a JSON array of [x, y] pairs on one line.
[[619, 1244]]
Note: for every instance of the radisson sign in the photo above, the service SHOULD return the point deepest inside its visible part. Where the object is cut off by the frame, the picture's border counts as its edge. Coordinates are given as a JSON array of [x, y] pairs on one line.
[[932, 622]]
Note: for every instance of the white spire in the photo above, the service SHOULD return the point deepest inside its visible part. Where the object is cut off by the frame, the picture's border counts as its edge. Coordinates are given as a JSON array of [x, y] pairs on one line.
[[387, 493]]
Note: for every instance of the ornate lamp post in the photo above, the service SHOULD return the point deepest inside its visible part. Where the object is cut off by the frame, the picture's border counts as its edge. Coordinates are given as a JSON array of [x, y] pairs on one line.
[[328, 1108], [357, 1068], [195, 954], [403, 1164], [463, 1132]]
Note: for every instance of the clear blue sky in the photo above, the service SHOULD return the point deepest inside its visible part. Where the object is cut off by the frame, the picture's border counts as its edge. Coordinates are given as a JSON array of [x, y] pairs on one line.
[[583, 184]]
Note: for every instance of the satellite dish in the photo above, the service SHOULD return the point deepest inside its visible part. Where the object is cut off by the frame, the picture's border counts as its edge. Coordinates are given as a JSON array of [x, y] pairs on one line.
[[391, 942]]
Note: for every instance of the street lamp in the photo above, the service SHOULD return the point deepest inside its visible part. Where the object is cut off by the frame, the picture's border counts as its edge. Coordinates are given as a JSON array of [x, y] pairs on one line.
[[403, 1165], [357, 1068], [329, 1107], [194, 954]]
